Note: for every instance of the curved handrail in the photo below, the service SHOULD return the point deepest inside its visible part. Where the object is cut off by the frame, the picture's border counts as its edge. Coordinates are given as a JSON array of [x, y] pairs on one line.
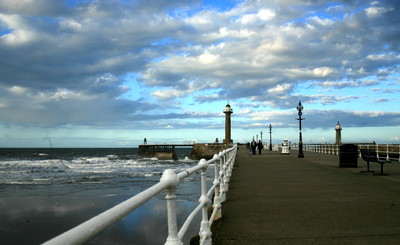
[[169, 181]]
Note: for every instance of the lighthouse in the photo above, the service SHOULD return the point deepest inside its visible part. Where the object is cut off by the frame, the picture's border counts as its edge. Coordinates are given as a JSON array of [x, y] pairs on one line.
[[338, 129], [228, 111]]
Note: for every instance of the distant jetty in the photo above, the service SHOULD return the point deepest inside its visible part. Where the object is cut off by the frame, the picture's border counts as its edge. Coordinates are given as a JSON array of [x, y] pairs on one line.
[[167, 151]]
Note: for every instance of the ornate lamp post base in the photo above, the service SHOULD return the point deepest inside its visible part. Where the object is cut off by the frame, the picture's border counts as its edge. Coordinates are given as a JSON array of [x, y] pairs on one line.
[[301, 154]]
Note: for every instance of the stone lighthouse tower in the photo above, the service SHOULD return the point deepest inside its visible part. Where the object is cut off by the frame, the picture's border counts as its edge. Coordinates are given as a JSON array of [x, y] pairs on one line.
[[338, 129], [228, 111]]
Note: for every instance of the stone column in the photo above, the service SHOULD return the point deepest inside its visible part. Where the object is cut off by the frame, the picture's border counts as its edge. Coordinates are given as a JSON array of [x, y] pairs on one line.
[[338, 129], [228, 112]]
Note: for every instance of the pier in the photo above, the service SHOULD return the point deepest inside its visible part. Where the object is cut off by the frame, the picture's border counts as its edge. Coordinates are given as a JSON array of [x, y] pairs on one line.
[[160, 151], [281, 199], [167, 151]]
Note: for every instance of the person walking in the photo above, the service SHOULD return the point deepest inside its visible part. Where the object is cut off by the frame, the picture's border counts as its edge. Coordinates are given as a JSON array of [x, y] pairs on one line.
[[259, 146], [253, 146]]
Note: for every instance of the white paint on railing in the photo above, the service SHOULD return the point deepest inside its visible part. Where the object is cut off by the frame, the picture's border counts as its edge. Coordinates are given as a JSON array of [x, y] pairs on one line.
[[169, 182]]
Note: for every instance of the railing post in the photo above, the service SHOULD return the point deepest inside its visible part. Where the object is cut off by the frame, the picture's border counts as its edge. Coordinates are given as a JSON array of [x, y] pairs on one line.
[[205, 230], [222, 176], [387, 152], [228, 171], [170, 176], [217, 202], [377, 151]]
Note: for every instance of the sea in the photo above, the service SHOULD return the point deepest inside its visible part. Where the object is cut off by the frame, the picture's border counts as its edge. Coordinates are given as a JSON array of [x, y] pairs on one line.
[[46, 191]]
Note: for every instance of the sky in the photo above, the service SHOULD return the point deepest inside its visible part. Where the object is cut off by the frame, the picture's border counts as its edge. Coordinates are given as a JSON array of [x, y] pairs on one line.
[[92, 73]]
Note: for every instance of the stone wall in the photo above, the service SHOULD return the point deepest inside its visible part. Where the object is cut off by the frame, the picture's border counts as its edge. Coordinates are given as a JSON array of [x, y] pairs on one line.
[[166, 155], [206, 151]]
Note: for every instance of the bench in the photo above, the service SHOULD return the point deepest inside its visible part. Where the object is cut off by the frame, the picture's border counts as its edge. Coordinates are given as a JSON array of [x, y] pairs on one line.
[[371, 156]]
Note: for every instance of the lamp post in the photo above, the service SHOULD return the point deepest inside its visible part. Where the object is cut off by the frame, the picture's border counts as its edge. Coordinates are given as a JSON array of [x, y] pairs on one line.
[[270, 137], [299, 109], [261, 135]]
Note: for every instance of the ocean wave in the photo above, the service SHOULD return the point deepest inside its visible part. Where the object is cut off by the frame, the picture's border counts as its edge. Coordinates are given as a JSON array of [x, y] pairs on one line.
[[112, 157], [82, 169], [41, 154]]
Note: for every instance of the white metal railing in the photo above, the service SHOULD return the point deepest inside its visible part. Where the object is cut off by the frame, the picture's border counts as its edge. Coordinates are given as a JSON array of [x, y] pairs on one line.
[[223, 165], [331, 149], [389, 152]]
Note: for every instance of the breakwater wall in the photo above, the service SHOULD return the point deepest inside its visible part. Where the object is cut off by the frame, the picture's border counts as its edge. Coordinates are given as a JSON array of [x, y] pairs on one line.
[[167, 151], [207, 151], [162, 152]]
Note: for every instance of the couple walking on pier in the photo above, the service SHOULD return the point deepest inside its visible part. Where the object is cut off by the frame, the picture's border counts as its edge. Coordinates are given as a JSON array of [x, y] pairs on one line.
[[255, 145]]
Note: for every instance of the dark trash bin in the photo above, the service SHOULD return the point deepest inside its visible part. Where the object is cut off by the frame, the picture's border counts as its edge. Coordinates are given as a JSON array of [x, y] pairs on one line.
[[348, 156]]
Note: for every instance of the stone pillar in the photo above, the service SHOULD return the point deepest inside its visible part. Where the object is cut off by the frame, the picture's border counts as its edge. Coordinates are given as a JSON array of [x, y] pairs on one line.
[[228, 112], [338, 129]]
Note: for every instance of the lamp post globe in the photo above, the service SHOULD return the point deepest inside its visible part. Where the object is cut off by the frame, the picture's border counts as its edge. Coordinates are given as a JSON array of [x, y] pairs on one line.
[[300, 108], [300, 113]]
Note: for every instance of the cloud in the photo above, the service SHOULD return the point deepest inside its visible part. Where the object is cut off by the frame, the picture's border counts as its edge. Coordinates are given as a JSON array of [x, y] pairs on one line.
[[260, 16], [281, 89], [66, 62], [76, 48], [32, 8], [328, 118], [380, 100], [346, 84], [281, 51], [167, 94], [25, 105]]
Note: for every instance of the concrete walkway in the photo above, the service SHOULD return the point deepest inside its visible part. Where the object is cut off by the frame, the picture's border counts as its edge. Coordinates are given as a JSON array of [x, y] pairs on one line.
[[281, 199]]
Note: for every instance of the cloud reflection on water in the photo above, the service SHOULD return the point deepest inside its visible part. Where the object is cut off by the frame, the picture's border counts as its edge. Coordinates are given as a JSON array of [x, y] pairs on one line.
[[41, 217]]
